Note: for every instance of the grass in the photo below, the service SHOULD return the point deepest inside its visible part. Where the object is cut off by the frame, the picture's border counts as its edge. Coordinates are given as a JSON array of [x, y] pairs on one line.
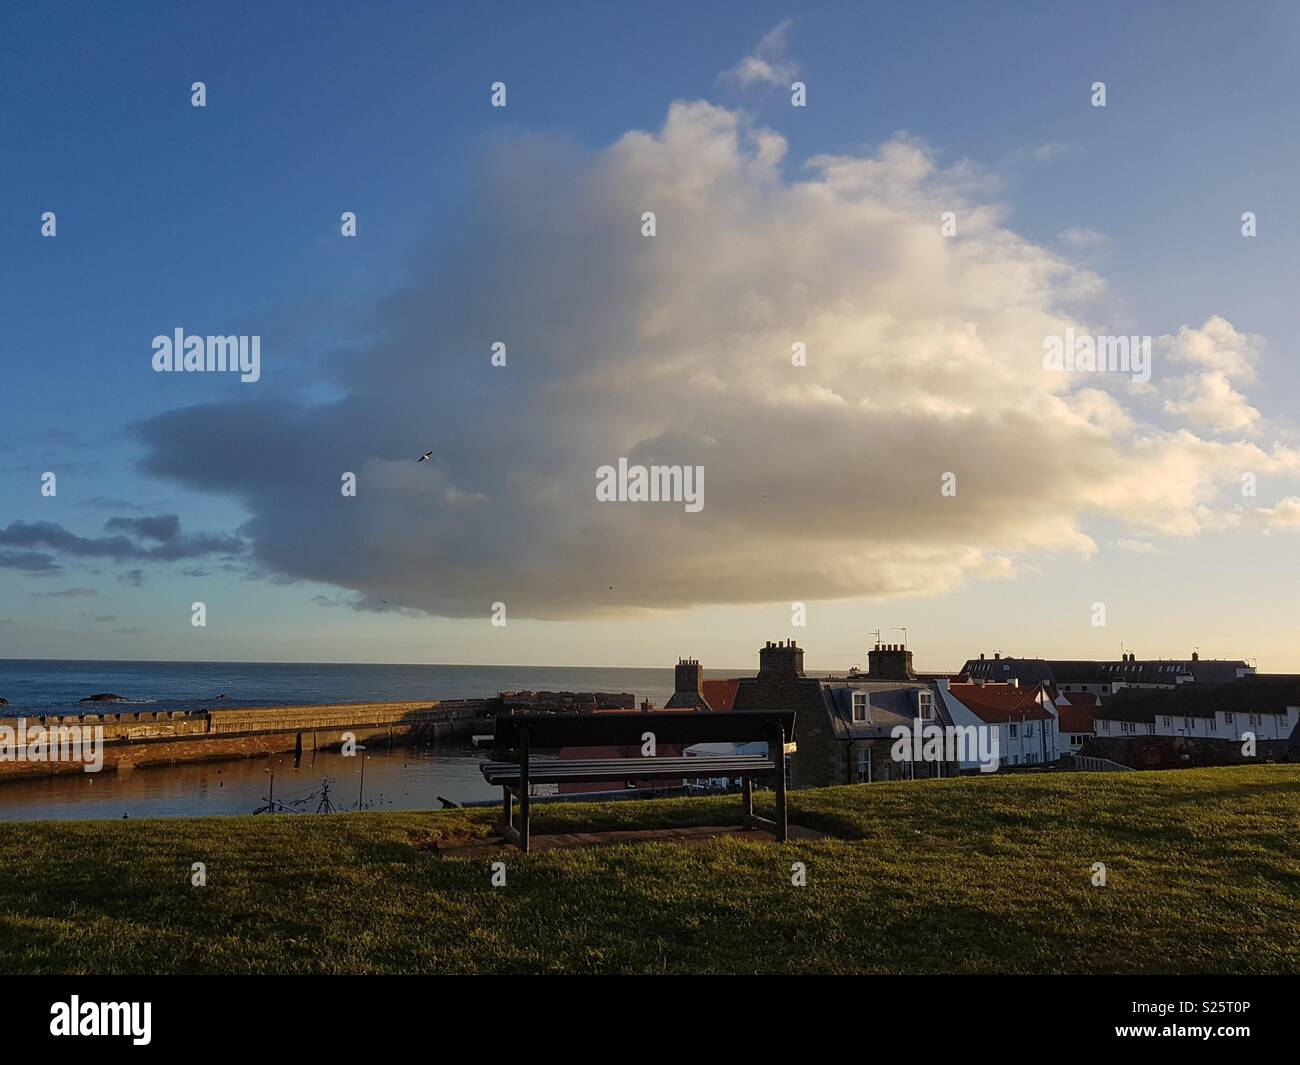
[[969, 875]]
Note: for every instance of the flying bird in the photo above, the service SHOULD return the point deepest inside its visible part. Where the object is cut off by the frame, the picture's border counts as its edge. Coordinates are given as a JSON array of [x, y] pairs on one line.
[[425, 457]]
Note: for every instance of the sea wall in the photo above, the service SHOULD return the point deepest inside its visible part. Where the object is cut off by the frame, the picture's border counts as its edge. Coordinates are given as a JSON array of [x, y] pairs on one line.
[[144, 738]]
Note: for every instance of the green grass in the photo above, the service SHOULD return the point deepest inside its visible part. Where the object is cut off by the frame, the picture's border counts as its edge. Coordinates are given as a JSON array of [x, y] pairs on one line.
[[968, 875]]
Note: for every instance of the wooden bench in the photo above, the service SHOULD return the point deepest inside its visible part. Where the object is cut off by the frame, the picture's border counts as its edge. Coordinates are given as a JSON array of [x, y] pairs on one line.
[[519, 735]]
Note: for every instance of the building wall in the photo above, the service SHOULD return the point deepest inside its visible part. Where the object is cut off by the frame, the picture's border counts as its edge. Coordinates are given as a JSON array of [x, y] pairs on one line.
[[1223, 726], [819, 759]]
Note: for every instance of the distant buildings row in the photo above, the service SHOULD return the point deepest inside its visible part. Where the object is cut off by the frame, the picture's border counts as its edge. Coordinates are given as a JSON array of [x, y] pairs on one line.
[[1033, 712]]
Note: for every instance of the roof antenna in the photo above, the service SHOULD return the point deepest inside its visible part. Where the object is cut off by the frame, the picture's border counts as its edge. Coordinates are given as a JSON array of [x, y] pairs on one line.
[[903, 630], [876, 634]]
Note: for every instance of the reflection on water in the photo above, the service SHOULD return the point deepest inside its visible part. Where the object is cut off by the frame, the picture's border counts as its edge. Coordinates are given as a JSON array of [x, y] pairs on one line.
[[404, 778]]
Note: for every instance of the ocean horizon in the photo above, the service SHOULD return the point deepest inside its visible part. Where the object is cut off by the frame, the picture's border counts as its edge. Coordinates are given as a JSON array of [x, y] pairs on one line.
[[54, 685]]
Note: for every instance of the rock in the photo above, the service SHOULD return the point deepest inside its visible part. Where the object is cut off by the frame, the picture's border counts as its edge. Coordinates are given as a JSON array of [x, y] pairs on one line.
[[4, 702], [104, 697]]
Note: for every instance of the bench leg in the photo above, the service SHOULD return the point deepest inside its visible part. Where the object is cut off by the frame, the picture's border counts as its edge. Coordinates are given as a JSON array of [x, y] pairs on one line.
[[781, 829], [749, 797], [523, 816], [524, 789], [507, 807]]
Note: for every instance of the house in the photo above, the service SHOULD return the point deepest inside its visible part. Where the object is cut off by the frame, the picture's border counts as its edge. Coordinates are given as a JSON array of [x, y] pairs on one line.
[[865, 719], [781, 685], [1074, 718], [1253, 718], [843, 724], [688, 691], [1105, 678], [1024, 720], [692, 692]]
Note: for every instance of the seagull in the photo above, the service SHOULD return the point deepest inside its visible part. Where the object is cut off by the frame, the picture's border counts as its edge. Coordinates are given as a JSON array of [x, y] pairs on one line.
[[425, 457]]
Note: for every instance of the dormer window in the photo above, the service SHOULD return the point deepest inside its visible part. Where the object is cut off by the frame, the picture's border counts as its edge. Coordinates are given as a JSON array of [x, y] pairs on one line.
[[861, 708], [925, 705]]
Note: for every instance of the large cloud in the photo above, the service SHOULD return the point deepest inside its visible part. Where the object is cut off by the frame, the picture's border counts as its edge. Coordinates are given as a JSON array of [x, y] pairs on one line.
[[924, 357]]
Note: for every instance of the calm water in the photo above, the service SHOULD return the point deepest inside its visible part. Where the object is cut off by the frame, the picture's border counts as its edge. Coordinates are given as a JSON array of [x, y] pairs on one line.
[[402, 779]]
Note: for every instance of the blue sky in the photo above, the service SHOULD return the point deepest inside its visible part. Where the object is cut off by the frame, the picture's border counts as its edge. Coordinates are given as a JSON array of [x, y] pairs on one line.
[[225, 220]]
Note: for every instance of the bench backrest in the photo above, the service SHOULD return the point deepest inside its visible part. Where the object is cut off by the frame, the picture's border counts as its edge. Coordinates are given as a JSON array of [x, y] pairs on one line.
[[599, 730]]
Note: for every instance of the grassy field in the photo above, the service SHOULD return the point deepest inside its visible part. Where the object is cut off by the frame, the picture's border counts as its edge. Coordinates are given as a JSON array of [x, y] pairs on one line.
[[968, 875]]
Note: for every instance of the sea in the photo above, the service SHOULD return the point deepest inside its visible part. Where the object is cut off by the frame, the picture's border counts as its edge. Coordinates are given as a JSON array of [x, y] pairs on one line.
[[403, 778]]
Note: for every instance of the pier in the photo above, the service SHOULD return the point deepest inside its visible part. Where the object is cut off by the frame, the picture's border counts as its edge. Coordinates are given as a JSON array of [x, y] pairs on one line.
[[164, 737]]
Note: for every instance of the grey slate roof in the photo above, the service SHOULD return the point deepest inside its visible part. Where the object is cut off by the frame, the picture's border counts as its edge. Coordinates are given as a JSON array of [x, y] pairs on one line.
[[891, 704], [1268, 694], [1059, 672]]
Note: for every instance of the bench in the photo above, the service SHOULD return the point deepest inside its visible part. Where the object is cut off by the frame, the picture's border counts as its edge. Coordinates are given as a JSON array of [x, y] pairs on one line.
[[517, 736]]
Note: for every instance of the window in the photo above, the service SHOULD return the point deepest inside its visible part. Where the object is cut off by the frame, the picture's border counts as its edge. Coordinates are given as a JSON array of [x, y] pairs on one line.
[[1227, 718], [1029, 730], [925, 701], [1105, 726], [1151, 728], [1076, 741], [1187, 724], [861, 708], [1012, 732], [1166, 722], [863, 755]]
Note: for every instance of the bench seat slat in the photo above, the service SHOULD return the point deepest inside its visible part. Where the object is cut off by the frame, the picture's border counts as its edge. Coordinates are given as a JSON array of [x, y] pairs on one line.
[[551, 771]]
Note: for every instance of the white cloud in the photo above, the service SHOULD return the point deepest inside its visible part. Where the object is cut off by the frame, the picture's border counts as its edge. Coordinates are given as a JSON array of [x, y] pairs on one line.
[[1216, 345], [1080, 238], [822, 482], [1286, 515], [1206, 396], [766, 65]]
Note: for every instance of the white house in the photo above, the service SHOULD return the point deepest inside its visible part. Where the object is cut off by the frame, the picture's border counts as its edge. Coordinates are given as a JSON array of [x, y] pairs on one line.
[[1024, 720]]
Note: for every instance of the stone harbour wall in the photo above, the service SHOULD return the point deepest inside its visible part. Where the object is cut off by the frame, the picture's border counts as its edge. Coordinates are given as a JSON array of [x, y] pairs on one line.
[[163, 737]]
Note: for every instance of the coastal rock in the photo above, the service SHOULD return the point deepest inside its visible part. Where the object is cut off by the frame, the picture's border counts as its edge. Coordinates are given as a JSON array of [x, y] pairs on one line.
[[4, 702], [104, 697]]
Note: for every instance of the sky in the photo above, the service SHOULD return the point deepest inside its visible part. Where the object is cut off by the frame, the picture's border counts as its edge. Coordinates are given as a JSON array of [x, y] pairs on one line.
[[923, 475]]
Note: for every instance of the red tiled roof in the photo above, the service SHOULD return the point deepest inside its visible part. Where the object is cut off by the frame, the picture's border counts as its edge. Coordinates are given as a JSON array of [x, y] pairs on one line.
[[998, 703], [720, 694], [1075, 718]]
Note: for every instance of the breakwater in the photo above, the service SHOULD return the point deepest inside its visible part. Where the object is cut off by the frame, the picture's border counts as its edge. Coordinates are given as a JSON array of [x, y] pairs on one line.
[[144, 738]]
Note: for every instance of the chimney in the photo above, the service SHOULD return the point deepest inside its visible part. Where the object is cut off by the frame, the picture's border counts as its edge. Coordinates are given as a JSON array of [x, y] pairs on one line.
[[981, 656], [688, 677], [780, 661], [1195, 657], [890, 662], [997, 655]]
